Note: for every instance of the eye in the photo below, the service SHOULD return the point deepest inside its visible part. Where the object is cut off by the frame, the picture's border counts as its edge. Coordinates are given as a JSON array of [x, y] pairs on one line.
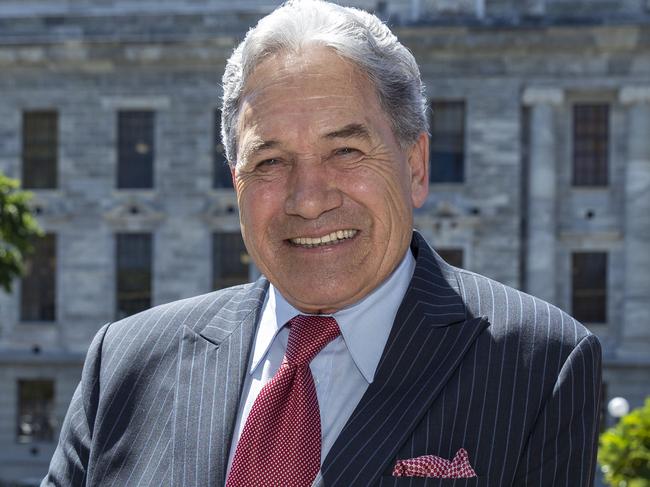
[[268, 162], [346, 151]]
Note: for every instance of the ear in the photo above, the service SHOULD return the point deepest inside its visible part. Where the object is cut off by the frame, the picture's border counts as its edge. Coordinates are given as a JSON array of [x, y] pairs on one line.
[[419, 166], [232, 175]]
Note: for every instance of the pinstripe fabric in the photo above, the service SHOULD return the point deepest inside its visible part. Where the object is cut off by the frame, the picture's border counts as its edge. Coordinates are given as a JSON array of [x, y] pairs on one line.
[[159, 393], [469, 363], [473, 364]]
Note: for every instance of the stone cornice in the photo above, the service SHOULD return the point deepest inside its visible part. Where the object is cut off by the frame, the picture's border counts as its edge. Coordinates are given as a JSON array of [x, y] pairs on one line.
[[538, 95], [634, 94], [136, 102]]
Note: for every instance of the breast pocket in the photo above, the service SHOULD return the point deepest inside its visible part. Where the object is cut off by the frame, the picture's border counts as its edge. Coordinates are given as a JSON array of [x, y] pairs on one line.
[[431, 482]]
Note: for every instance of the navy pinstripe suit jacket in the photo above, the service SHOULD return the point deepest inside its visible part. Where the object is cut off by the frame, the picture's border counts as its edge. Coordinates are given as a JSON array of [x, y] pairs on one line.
[[469, 363]]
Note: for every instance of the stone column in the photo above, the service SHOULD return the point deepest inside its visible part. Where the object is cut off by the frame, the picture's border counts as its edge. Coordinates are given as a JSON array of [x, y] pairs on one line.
[[636, 296], [541, 218]]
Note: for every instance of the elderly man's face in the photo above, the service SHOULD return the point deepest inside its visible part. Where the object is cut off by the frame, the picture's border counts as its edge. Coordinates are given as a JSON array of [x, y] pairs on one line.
[[325, 191]]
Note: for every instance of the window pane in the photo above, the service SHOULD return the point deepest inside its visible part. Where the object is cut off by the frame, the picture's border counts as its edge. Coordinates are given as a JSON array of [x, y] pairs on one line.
[[133, 273], [221, 172], [38, 289], [40, 148], [447, 155], [229, 260], [590, 144], [36, 421], [452, 256], [589, 286], [135, 149]]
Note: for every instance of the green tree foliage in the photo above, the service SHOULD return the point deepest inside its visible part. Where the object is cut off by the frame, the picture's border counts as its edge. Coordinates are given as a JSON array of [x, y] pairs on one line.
[[624, 453], [18, 228]]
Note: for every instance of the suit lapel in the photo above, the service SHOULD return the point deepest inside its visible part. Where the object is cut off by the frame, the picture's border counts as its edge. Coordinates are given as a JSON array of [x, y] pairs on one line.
[[429, 338], [213, 356]]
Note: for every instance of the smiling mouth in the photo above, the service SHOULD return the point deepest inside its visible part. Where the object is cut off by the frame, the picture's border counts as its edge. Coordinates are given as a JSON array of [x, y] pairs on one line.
[[332, 238]]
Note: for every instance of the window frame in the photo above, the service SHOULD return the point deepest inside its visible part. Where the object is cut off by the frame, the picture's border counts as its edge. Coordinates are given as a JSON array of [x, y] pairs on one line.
[[229, 280], [604, 291], [584, 172], [50, 412], [33, 163], [119, 272], [47, 271], [127, 178], [459, 167]]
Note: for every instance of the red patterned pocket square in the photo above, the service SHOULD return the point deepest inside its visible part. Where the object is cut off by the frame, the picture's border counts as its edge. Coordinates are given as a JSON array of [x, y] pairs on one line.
[[433, 466]]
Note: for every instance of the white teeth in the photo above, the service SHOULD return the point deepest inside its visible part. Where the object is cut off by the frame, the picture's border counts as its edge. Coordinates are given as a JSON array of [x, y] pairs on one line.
[[330, 238]]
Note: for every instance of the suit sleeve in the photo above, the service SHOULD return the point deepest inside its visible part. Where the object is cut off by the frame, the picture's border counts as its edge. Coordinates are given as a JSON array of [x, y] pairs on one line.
[[69, 464], [561, 449]]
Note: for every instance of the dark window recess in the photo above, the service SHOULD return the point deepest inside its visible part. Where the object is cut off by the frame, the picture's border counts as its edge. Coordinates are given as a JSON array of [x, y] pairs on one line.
[[589, 286], [603, 408], [40, 150], [36, 421], [38, 288], [134, 263], [135, 149], [229, 260], [447, 151], [221, 171], [590, 144], [452, 256]]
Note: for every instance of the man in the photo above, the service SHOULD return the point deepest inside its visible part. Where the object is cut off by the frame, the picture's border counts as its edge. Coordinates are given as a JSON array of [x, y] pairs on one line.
[[360, 358]]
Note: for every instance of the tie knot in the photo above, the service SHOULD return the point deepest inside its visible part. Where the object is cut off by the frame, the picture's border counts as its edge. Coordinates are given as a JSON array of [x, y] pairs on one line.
[[308, 335]]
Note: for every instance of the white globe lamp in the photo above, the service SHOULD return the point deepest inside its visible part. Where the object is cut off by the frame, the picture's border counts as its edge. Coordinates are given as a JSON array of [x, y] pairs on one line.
[[618, 407]]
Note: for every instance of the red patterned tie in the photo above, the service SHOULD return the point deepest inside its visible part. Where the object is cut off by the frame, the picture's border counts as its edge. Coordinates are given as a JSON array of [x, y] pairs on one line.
[[281, 441]]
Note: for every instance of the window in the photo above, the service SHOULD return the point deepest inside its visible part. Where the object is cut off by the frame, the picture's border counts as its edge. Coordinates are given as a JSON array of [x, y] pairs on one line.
[[38, 289], [229, 260], [589, 285], [590, 144], [36, 420], [135, 152], [452, 256], [221, 171], [447, 153], [40, 149], [133, 273]]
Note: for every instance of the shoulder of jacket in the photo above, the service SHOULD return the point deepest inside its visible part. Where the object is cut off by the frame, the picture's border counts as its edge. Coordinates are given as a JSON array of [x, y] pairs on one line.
[[165, 320]]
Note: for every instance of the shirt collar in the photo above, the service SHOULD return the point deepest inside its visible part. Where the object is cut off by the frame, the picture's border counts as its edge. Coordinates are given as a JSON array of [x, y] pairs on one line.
[[365, 325]]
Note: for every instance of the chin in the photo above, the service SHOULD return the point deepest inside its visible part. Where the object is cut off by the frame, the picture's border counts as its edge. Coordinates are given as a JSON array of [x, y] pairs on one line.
[[324, 304]]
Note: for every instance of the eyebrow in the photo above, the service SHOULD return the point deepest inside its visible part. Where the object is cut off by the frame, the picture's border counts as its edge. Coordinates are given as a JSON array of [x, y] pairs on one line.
[[260, 146], [350, 131]]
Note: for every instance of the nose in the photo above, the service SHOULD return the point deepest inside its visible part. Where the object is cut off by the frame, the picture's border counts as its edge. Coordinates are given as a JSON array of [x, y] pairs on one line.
[[312, 190]]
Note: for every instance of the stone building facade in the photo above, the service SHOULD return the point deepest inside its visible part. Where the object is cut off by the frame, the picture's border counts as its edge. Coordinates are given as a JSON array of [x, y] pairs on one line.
[[541, 170]]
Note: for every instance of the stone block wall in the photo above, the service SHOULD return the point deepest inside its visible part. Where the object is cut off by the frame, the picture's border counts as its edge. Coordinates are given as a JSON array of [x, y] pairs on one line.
[[516, 216]]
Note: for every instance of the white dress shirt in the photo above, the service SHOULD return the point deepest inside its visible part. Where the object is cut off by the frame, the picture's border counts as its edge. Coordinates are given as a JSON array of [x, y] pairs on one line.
[[346, 366]]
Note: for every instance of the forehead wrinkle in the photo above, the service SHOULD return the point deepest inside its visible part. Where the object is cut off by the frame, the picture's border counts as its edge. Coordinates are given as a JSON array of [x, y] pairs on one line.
[[350, 131], [291, 84]]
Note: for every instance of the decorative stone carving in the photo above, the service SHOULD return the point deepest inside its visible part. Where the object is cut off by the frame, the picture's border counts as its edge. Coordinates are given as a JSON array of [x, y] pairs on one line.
[[134, 214]]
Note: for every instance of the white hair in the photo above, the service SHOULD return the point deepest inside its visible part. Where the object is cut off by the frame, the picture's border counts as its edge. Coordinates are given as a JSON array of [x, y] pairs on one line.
[[355, 35]]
